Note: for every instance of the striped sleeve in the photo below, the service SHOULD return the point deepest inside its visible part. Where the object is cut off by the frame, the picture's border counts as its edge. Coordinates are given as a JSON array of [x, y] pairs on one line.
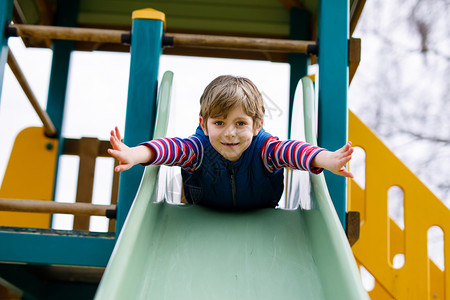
[[278, 154], [185, 153]]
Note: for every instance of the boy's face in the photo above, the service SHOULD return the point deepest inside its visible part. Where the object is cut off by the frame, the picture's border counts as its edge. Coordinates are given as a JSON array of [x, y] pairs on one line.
[[232, 135]]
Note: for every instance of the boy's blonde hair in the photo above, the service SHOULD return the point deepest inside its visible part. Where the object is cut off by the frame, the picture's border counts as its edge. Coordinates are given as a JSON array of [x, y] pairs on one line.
[[226, 92]]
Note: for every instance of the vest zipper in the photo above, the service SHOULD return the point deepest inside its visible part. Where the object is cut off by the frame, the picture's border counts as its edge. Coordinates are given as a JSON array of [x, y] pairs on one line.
[[233, 185]]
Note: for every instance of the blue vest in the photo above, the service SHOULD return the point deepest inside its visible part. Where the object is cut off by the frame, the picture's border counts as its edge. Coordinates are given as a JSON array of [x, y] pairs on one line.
[[244, 184]]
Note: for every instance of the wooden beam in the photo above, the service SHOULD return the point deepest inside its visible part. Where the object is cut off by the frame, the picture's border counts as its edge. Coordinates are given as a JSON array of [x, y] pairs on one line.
[[242, 43], [355, 13], [354, 57], [69, 33], [353, 227], [50, 129], [288, 4], [179, 39], [39, 206]]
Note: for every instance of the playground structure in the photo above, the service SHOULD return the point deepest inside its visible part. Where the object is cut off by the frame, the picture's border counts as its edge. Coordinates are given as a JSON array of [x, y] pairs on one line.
[[79, 256]]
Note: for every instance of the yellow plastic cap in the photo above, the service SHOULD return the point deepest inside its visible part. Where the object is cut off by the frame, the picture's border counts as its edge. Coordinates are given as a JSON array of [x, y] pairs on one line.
[[149, 13]]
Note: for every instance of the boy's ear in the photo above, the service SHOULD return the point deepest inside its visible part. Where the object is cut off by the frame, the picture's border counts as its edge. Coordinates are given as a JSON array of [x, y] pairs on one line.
[[203, 125], [257, 127]]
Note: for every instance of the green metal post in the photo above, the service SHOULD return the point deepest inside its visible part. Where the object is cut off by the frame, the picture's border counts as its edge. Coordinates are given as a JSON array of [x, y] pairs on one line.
[[333, 84], [58, 82], [66, 16], [300, 28], [6, 8], [147, 32]]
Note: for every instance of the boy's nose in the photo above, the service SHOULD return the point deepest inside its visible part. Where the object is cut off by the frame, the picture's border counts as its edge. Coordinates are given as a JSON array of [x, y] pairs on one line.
[[230, 131]]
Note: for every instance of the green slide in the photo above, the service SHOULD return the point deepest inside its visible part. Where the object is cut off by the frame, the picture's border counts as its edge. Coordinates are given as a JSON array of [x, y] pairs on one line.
[[190, 252]]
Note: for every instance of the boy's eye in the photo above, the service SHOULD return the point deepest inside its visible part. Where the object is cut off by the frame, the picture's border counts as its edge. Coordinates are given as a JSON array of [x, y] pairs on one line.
[[240, 123], [218, 123]]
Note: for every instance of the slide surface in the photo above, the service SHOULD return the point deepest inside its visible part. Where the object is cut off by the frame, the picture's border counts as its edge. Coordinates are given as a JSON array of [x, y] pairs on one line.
[[190, 252]]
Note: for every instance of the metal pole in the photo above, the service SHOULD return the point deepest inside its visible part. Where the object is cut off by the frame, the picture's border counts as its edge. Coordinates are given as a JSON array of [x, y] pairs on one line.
[[140, 119], [333, 85]]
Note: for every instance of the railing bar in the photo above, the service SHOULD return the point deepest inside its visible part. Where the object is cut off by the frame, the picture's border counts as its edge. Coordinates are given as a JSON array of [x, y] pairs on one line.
[[69, 33], [39, 206], [244, 43], [50, 129], [172, 39]]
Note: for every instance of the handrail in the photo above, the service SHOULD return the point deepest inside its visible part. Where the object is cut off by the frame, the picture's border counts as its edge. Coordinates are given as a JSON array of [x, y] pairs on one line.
[[242, 43], [67, 33], [39, 206], [49, 128], [171, 39]]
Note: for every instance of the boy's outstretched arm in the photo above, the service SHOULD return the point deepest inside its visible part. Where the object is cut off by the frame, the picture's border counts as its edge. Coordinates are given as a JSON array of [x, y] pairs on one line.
[[128, 156], [335, 161]]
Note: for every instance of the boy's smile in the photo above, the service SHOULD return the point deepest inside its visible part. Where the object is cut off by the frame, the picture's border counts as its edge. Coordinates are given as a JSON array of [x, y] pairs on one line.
[[231, 135]]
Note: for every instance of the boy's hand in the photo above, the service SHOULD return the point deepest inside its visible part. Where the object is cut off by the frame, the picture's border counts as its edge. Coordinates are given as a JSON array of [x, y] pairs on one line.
[[127, 156], [335, 161]]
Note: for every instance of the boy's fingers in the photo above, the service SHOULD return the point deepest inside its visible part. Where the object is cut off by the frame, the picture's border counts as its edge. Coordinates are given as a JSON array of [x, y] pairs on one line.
[[113, 142], [122, 167], [346, 173], [113, 153], [118, 134]]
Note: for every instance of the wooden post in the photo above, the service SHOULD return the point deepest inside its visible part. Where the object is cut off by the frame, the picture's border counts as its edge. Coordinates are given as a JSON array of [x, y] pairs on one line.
[[88, 151]]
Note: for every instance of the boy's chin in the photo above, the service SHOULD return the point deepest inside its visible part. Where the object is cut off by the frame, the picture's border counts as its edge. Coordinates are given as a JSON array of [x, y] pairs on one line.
[[231, 158]]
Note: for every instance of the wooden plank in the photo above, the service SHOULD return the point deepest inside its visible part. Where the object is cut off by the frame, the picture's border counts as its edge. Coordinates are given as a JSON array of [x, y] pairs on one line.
[[353, 227], [39, 206], [114, 196], [354, 57], [88, 149], [355, 14]]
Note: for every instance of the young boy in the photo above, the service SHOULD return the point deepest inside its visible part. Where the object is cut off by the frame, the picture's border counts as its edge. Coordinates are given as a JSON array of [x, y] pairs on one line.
[[231, 162]]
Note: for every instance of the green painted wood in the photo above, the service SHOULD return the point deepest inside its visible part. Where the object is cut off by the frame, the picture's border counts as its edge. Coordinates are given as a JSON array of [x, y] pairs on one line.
[[244, 17], [56, 248], [191, 252], [265, 17], [34, 285], [29, 10]]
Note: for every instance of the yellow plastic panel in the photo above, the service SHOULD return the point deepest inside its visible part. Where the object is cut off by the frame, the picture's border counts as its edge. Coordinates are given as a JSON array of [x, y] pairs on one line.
[[381, 238], [30, 175]]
